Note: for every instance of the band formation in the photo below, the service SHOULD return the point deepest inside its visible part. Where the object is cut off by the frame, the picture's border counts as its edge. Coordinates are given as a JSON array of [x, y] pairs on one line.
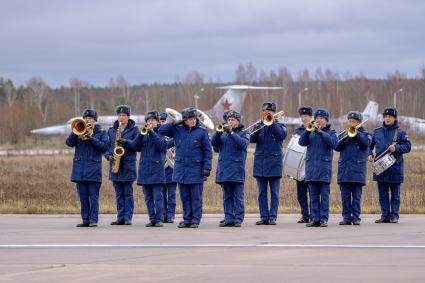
[[175, 149]]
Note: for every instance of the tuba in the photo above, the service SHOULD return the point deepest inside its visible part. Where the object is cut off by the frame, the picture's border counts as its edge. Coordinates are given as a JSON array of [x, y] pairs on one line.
[[172, 115], [205, 120], [118, 151], [81, 128]]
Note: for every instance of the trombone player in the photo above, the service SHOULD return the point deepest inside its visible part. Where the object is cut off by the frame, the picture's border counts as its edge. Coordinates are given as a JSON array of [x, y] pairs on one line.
[[354, 150], [87, 164], [268, 162], [122, 169]]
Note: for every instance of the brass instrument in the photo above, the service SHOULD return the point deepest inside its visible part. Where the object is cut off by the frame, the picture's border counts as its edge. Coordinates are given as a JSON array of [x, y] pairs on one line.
[[219, 128], [350, 131], [144, 130], [267, 119], [81, 128], [118, 151], [169, 157], [312, 126]]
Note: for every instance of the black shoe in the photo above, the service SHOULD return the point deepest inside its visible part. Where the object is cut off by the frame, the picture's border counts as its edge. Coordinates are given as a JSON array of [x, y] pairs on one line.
[[345, 222], [382, 220], [93, 225], [194, 225], [159, 224], [150, 224], [226, 224], [323, 224], [222, 221], [393, 220], [313, 224], [303, 220], [262, 222], [169, 220], [238, 224], [183, 225], [356, 222], [272, 222], [116, 222], [82, 225], [128, 222]]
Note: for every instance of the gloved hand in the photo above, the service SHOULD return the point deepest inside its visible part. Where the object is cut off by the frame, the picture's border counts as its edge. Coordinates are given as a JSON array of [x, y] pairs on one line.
[[123, 142], [228, 130], [206, 173]]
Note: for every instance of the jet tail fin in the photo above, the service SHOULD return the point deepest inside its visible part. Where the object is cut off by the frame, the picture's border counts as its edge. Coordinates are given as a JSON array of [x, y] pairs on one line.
[[371, 110]]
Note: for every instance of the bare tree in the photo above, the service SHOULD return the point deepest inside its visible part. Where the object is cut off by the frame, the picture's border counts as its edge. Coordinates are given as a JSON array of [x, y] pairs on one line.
[[240, 74], [10, 92], [39, 90], [251, 73]]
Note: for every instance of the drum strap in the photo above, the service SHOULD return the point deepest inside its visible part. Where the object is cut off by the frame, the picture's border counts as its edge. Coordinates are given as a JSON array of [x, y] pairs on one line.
[[395, 136]]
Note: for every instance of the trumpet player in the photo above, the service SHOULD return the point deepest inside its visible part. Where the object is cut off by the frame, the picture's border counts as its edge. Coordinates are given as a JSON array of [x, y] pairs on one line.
[[87, 167], [151, 176], [124, 174], [303, 191], [354, 150], [169, 188], [389, 137], [320, 143], [192, 163], [232, 142], [268, 163]]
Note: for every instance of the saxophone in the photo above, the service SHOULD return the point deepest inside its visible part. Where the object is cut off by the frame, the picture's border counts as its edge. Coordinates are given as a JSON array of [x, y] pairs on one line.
[[118, 151]]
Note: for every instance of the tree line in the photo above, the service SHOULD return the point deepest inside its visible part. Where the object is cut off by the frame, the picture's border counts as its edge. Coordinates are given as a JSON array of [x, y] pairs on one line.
[[35, 104]]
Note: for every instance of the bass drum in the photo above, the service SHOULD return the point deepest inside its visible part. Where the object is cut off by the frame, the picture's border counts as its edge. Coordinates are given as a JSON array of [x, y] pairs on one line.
[[294, 159]]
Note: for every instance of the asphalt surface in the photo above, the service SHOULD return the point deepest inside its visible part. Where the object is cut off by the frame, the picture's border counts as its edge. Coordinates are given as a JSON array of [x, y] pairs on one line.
[[49, 248]]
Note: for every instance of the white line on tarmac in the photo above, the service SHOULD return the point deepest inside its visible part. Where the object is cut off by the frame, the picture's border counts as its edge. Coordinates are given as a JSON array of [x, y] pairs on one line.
[[76, 246]]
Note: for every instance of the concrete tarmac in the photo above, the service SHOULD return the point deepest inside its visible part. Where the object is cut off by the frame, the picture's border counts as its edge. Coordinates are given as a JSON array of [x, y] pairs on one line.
[[49, 248]]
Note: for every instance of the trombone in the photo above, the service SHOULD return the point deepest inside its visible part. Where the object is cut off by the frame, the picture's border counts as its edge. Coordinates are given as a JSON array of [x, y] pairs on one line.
[[267, 119], [81, 128], [350, 131], [144, 130]]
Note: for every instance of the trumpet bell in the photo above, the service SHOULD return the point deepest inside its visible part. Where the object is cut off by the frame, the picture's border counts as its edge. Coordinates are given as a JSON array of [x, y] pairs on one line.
[[78, 126], [144, 130], [310, 127], [219, 128]]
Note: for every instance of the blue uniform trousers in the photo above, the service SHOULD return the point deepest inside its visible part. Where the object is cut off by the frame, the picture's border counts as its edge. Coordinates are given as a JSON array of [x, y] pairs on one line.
[[154, 202], [191, 197], [169, 194], [234, 208], [351, 197], [124, 199], [263, 202], [390, 205], [319, 192], [89, 199], [302, 196]]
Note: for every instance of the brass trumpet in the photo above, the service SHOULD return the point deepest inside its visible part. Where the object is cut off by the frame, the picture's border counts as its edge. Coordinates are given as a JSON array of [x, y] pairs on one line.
[[145, 129], [81, 128], [219, 128], [312, 126]]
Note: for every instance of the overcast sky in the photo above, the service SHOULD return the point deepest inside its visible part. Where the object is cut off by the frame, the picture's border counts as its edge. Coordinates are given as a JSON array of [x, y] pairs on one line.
[[147, 41]]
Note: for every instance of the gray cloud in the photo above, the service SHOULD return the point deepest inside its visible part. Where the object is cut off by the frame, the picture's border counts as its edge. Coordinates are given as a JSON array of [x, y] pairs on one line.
[[148, 41]]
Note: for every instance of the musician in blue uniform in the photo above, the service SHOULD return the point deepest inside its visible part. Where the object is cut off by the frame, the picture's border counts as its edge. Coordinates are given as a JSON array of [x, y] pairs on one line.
[[390, 138], [352, 162], [169, 189], [320, 144], [303, 192], [268, 164], [126, 175], [192, 163], [87, 167], [151, 175], [232, 143]]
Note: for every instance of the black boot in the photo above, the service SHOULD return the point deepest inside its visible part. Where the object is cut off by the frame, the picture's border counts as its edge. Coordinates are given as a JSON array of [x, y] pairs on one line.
[[116, 222]]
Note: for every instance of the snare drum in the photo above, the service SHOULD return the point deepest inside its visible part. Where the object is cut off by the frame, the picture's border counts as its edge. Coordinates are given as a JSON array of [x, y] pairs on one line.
[[294, 159], [383, 163]]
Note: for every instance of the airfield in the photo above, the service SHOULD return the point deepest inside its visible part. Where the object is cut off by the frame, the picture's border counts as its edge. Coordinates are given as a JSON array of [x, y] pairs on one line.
[[47, 248]]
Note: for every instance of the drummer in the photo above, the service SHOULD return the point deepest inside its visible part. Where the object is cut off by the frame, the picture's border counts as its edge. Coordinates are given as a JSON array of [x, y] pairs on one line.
[[303, 191], [390, 137]]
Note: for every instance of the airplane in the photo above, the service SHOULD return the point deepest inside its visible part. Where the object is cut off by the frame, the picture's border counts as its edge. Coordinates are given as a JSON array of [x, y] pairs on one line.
[[233, 98]]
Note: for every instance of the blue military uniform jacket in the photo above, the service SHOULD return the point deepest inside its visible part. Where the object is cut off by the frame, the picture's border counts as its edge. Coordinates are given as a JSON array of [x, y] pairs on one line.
[[193, 152], [382, 137], [127, 171], [87, 163], [152, 147], [353, 158], [232, 157], [268, 151], [319, 154]]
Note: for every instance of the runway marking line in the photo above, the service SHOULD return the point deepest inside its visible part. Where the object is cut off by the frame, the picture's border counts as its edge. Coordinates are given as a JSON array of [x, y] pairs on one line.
[[76, 246]]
